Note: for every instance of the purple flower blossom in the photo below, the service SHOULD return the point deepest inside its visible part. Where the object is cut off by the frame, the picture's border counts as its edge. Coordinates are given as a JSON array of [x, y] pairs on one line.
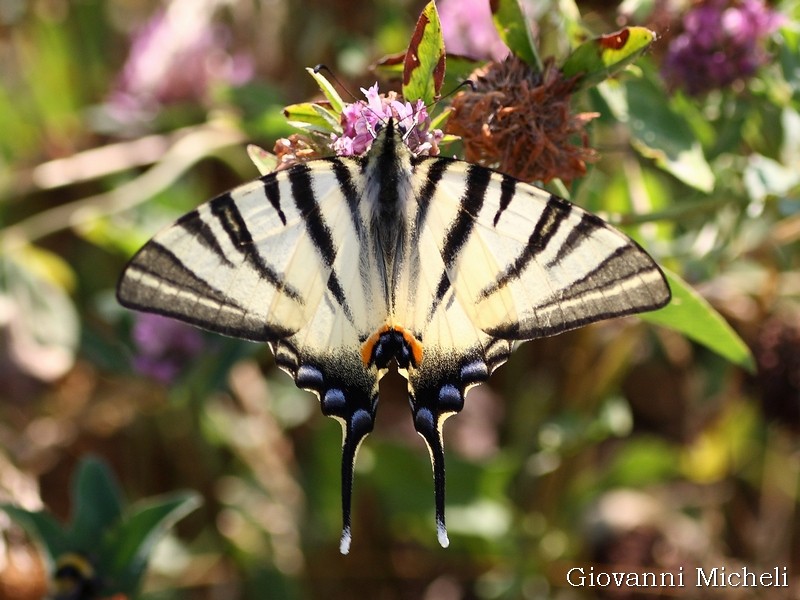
[[164, 346], [178, 56], [722, 41], [360, 118], [468, 30]]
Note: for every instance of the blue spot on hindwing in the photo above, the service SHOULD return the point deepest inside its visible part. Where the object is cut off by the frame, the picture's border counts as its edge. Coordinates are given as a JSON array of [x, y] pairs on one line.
[[474, 372], [361, 423], [450, 398], [333, 402], [424, 421], [309, 377]]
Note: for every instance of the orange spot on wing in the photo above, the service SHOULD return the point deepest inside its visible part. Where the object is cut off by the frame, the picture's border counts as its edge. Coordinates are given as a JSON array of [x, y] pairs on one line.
[[414, 343], [369, 345]]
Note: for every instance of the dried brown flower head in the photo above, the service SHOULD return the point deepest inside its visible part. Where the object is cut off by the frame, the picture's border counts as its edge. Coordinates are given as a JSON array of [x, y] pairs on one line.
[[519, 122], [297, 148]]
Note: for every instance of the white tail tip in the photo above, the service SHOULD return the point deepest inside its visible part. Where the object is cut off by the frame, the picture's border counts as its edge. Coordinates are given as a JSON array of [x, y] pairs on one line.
[[441, 533], [344, 544]]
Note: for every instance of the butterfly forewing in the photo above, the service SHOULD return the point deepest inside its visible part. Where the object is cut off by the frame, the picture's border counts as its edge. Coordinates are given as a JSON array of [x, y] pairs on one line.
[[251, 263], [533, 264]]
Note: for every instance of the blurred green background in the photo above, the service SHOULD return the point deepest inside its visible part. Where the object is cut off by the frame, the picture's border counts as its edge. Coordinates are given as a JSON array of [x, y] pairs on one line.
[[622, 446]]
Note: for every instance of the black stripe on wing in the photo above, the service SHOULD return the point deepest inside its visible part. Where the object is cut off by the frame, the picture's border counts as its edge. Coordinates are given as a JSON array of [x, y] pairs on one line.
[[474, 194], [272, 191], [508, 186], [227, 213], [555, 212], [160, 264], [194, 224], [346, 184], [624, 264], [478, 179], [433, 176], [588, 224], [620, 274], [318, 230], [209, 307]]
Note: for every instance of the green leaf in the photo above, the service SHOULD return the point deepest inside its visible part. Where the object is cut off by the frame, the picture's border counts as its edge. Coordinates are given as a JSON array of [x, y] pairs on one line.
[[96, 504], [337, 104], [423, 69], [311, 116], [663, 135], [788, 52], [439, 121], [43, 528], [604, 56], [119, 545], [512, 25], [265, 162], [130, 544], [332, 120], [690, 314]]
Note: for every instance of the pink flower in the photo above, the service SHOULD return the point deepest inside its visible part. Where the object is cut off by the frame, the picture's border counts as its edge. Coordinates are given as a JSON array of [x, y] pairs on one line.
[[722, 41], [468, 30], [178, 56], [359, 120]]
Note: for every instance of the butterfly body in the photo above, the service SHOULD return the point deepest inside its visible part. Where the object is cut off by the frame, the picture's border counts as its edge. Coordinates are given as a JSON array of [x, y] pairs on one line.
[[345, 265]]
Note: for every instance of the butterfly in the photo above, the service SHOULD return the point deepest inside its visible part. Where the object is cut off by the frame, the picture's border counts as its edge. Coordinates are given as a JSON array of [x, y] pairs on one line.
[[347, 265]]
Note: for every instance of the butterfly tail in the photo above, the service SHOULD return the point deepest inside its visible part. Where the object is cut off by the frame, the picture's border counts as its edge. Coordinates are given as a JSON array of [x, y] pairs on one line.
[[428, 425], [436, 395], [357, 417], [430, 409], [355, 427], [344, 396]]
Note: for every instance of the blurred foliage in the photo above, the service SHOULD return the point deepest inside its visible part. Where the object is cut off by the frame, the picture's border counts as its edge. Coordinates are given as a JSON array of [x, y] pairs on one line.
[[105, 549], [621, 445]]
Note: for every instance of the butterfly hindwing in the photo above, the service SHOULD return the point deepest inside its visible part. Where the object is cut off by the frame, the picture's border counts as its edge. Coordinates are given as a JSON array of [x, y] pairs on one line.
[[348, 392]]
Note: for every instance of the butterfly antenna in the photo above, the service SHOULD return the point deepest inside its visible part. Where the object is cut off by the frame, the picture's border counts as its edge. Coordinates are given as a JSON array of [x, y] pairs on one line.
[[336, 80], [466, 83], [332, 75]]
